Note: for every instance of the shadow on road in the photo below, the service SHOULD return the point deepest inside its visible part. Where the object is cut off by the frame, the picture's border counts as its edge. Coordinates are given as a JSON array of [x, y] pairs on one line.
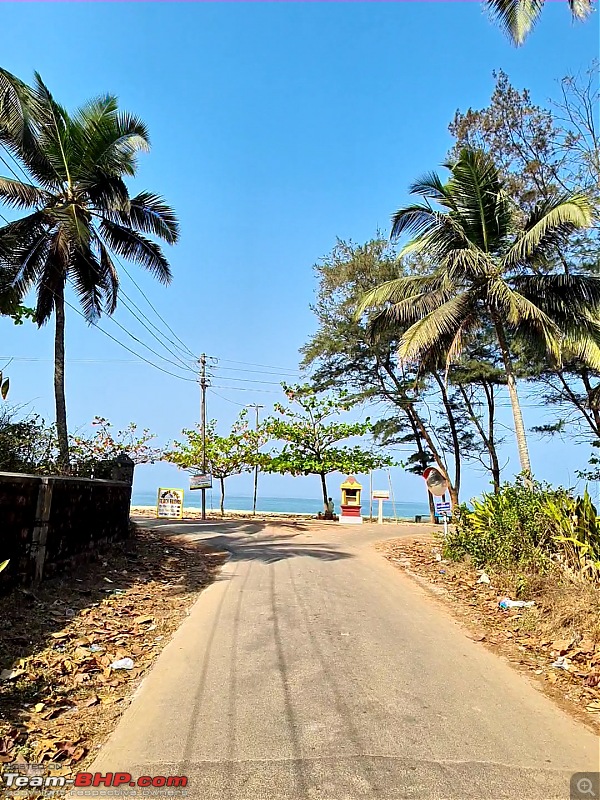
[[249, 540]]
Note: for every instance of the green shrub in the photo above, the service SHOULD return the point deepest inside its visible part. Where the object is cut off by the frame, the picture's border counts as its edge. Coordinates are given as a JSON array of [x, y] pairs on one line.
[[576, 531], [507, 529], [528, 525]]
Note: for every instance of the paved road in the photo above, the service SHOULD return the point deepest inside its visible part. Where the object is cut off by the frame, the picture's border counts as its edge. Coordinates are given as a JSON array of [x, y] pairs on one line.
[[314, 669]]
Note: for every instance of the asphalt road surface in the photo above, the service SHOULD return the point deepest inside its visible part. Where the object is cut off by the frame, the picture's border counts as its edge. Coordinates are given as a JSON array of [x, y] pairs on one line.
[[314, 669]]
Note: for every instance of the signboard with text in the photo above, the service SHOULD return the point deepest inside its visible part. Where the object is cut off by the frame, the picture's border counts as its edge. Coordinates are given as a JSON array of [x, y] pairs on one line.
[[442, 506], [169, 504], [381, 494], [201, 482]]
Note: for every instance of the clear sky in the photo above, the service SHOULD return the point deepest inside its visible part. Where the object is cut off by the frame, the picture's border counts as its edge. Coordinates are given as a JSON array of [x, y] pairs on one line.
[[276, 127]]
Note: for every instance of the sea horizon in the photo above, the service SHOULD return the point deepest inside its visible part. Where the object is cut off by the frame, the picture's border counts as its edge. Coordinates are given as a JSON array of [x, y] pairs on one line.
[[289, 505]]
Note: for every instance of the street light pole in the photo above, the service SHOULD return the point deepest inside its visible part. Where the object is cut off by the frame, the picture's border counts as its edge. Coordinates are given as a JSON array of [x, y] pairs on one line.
[[256, 407], [203, 424]]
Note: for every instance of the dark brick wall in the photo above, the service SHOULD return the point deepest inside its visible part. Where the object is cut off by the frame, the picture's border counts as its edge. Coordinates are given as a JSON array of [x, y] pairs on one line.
[[84, 515]]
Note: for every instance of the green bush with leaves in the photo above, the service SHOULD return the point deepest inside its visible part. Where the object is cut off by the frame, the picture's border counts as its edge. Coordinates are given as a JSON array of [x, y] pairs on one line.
[[505, 530], [528, 525], [576, 530]]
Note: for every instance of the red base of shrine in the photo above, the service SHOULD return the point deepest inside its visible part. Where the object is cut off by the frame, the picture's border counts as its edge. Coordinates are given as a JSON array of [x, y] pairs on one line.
[[350, 511]]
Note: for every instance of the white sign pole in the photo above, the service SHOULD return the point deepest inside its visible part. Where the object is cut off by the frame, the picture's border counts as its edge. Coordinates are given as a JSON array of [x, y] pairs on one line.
[[380, 514]]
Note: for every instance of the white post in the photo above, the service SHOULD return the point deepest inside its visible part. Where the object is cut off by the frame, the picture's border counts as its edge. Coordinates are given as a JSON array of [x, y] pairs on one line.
[[445, 525], [380, 513]]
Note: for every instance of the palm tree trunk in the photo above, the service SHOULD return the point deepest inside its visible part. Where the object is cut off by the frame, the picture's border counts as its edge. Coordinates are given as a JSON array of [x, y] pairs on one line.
[[222, 480], [59, 381], [511, 383]]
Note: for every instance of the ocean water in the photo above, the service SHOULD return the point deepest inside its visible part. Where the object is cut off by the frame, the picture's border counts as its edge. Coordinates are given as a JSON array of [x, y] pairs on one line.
[[289, 505]]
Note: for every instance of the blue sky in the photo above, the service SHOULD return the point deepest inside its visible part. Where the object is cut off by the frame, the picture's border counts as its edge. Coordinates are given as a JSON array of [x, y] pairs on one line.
[[275, 128]]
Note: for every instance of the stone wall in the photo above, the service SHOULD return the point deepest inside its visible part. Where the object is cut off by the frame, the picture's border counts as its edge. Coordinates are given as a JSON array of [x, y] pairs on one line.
[[46, 523]]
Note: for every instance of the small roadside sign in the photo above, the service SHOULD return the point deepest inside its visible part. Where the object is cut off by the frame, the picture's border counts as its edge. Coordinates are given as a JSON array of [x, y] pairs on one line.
[[169, 504], [201, 482], [381, 494]]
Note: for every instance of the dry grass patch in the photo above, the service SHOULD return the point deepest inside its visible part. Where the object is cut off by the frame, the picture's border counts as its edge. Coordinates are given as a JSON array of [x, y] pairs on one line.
[[59, 695]]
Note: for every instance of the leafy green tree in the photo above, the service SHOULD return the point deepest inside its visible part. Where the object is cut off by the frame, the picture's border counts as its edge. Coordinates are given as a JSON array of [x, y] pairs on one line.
[[79, 211], [485, 274], [517, 17], [225, 455], [310, 438]]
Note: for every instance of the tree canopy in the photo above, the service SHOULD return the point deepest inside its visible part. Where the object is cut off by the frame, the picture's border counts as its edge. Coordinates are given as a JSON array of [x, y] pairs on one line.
[[309, 434]]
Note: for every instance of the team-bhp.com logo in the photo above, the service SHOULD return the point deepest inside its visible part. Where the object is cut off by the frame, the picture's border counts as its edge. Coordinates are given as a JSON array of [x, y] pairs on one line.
[[86, 780]]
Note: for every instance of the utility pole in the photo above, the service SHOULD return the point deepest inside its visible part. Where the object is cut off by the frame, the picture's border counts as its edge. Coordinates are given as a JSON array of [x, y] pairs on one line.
[[256, 407], [203, 424]]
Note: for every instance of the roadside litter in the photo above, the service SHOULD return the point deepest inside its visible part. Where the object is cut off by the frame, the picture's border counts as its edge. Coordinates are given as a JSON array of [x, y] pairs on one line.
[[506, 602], [484, 578], [561, 663], [122, 663]]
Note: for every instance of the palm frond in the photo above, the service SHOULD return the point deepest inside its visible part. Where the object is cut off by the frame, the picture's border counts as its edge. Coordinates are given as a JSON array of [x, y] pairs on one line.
[[432, 187], [110, 279], [440, 326], [482, 209], [397, 290], [581, 8], [17, 194], [523, 316], [547, 227], [108, 141], [563, 297], [150, 214], [21, 119], [89, 281], [52, 277], [400, 315], [584, 346], [516, 17], [136, 247]]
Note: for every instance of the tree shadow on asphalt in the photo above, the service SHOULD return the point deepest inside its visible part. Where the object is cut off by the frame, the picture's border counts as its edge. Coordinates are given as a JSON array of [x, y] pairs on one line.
[[248, 540]]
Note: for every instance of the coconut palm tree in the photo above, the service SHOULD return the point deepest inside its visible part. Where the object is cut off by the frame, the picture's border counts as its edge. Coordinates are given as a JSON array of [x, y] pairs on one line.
[[517, 17], [78, 209], [489, 268]]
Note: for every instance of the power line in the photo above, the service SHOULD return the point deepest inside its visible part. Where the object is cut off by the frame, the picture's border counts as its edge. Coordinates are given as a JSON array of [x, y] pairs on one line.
[[245, 380], [141, 291], [233, 402], [255, 371], [78, 360], [246, 389], [251, 364], [8, 166], [160, 341], [135, 338], [106, 333]]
